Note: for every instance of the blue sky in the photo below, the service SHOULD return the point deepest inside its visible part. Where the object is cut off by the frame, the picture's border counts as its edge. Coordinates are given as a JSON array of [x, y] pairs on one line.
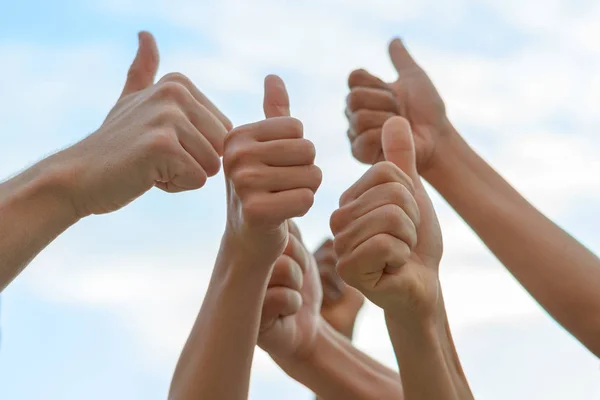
[[104, 311]]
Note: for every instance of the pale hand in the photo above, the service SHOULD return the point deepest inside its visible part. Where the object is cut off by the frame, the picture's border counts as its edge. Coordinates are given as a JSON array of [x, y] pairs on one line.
[[271, 177], [166, 134], [290, 314], [387, 236], [341, 303], [413, 96]]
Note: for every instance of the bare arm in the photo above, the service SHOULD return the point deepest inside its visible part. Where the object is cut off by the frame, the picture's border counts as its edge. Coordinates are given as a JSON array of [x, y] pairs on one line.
[[134, 150], [216, 360], [336, 370], [34, 209], [263, 193], [430, 367], [396, 265], [560, 273]]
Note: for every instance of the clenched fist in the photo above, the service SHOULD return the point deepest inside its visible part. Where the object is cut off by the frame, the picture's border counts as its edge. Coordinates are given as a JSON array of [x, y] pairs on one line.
[[341, 303], [386, 233], [271, 177], [290, 314], [166, 134]]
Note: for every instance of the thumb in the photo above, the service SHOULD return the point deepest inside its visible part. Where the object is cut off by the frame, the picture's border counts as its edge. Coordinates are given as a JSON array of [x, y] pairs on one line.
[[399, 147], [400, 56], [144, 66], [277, 101]]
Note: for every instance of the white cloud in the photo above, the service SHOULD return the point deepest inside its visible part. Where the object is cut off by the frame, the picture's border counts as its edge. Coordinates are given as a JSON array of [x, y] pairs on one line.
[[512, 101]]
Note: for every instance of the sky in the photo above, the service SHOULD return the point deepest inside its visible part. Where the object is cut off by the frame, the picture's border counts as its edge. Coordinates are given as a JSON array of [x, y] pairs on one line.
[[103, 312]]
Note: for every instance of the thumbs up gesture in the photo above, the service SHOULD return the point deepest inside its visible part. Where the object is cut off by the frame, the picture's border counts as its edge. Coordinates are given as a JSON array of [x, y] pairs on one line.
[[165, 134], [413, 96], [386, 233], [271, 177]]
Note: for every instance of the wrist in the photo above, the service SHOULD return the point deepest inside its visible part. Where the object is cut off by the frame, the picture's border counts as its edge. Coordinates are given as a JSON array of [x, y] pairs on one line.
[[448, 145], [235, 264], [46, 189]]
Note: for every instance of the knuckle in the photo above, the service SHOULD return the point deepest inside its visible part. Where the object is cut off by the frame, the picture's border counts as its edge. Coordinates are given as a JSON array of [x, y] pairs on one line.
[[356, 76], [168, 115], [392, 215], [171, 90], [355, 99], [237, 134], [339, 245], [294, 126], [399, 194], [196, 178], [337, 221], [403, 197], [346, 198], [316, 177], [212, 165], [305, 199], [360, 120], [175, 77], [385, 170], [243, 178], [253, 210], [348, 272], [235, 154], [368, 149], [162, 141], [309, 149], [382, 244]]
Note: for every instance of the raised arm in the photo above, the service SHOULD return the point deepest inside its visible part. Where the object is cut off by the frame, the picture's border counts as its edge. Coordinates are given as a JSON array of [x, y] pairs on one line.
[[341, 303], [270, 178], [389, 245], [166, 134], [305, 346], [559, 272]]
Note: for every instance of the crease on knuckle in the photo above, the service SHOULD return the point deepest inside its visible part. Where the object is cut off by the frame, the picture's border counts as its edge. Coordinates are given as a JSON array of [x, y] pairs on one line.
[[337, 221], [305, 199]]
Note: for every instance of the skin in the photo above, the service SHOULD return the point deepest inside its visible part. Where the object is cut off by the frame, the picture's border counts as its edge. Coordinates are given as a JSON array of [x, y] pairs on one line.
[[559, 272], [303, 343], [270, 178], [341, 303], [389, 245], [167, 135]]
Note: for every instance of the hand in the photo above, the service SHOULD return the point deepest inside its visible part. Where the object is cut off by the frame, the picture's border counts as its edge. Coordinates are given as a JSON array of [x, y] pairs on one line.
[[290, 314], [371, 102], [341, 303], [386, 233], [271, 177], [167, 135]]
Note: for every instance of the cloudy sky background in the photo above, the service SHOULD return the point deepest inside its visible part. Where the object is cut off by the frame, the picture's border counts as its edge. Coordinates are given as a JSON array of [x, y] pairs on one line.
[[104, 311]]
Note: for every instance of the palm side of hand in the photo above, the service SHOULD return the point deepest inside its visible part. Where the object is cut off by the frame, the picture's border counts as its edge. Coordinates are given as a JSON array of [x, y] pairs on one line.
[[420, 103], [294, 335]]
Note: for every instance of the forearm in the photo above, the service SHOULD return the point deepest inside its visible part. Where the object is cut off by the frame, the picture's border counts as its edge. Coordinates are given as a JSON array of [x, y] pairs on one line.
[[428, 362], [560, 273], [216, 360], [34, 209], [337, 370]]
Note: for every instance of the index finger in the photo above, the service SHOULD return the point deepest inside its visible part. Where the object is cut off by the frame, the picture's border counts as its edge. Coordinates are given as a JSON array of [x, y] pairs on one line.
[[199, 96], [361, 77], [380, 173]]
